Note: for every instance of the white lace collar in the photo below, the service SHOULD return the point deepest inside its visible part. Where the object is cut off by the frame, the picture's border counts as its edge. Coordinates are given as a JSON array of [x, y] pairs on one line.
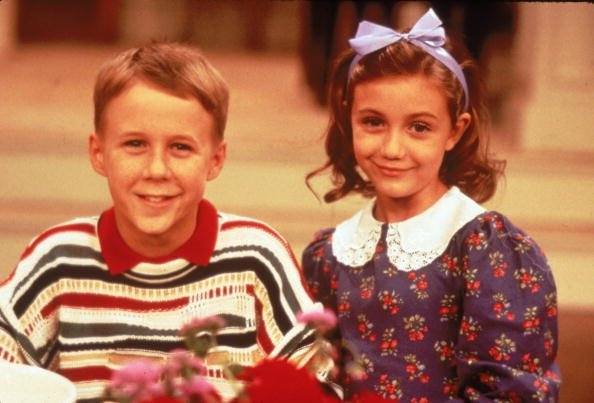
[[411, 244]]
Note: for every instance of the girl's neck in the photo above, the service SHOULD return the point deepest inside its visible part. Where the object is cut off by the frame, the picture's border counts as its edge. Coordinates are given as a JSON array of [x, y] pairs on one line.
[[392, 210]]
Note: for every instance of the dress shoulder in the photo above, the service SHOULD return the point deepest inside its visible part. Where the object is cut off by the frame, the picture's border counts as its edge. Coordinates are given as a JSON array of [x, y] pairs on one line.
[[493, 231], [321, 240], [318, 265]]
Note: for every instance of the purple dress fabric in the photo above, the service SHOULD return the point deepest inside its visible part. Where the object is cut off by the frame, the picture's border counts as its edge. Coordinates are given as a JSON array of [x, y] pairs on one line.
[[478, 323]]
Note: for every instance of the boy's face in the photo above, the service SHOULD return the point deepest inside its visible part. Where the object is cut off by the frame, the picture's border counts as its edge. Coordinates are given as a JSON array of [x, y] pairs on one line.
[[157, 152]]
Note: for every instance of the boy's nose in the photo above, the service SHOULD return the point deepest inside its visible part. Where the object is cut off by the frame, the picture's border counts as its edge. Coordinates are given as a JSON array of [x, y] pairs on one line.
[[157, 166], [392, 146]]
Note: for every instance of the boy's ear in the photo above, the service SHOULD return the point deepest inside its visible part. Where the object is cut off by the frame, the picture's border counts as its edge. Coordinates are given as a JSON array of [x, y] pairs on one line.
[[217, 160], [458, 130], [96, 154]]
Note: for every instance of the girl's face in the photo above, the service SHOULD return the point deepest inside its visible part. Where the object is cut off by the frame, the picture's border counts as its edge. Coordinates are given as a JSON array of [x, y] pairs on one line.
[[401, 131]]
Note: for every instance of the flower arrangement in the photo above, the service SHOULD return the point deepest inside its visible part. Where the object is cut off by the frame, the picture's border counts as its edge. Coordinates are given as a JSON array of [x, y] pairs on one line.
[[181, 377]]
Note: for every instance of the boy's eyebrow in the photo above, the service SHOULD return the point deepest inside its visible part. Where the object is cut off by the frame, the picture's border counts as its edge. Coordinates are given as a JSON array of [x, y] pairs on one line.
[[132, 133]]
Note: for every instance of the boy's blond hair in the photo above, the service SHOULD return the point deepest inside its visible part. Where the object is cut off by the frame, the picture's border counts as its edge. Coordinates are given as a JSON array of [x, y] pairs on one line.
[[174, 67]]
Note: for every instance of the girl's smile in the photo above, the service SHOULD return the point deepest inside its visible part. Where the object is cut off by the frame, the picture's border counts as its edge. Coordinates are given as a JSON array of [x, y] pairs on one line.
[[392, 171]]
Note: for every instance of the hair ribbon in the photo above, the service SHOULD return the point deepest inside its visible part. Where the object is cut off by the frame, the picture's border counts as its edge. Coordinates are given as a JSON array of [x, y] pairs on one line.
[[427, 33]]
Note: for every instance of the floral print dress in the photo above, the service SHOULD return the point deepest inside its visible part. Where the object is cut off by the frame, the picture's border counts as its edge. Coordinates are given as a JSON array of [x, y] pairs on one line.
[[453, 304]]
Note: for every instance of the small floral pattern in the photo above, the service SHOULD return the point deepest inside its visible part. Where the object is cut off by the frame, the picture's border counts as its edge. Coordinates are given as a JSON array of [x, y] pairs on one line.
[[422, 334]]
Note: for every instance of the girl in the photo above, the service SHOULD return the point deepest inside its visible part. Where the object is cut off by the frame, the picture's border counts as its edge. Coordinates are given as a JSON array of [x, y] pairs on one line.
[[440, 298]]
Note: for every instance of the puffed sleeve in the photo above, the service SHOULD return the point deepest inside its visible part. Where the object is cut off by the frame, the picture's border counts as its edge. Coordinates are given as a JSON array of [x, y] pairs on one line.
[[318, 268], [507, 342]]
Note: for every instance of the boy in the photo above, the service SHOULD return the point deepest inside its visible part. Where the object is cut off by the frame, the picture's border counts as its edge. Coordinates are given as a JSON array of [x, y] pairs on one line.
[[95, 293]]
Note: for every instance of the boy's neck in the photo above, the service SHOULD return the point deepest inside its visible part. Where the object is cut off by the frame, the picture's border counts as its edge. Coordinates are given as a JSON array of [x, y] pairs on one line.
[[156, 245]]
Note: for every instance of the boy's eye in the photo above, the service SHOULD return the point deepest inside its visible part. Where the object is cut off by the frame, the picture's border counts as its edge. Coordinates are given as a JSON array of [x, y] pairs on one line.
[[181, 147], [134, 143], [419, 127]]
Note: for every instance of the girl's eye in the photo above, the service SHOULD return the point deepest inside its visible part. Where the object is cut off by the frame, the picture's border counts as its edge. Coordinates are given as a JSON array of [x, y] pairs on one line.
[[372, 122]]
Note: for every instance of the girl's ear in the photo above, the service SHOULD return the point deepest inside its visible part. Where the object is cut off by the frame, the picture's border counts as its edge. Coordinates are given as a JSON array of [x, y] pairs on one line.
[[458, 130], [96, 154], [217, 160]]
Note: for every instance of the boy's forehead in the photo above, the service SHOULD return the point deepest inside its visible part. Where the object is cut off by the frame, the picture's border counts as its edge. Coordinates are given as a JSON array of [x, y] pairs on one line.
[[143, 91], [142, 104]]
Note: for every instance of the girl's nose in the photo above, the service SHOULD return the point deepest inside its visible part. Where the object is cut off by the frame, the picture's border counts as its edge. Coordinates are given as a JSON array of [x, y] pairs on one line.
[[393, 145], [157, 166]]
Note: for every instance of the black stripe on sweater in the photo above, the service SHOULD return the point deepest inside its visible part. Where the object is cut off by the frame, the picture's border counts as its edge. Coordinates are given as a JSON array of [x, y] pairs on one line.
[[244, 340], [231, 265]]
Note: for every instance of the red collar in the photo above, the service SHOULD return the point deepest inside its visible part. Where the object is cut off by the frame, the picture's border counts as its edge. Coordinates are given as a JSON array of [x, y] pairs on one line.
[[198, 249]]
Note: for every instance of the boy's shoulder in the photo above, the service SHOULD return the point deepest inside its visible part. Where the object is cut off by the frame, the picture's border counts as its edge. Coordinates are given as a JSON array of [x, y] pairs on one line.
[[245, 235], [58, 243], [77, 231], [247, 228]]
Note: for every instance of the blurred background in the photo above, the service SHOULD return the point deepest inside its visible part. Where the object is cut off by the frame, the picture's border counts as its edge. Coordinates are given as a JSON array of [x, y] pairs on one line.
[[537, 61]]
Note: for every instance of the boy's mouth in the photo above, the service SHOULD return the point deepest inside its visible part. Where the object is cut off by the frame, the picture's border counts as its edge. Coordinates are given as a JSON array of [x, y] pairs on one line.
[[155, 199]]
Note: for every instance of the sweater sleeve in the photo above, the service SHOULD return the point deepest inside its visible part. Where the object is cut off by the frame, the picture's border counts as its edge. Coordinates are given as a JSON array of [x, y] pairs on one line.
[[9, 348], [19, 334], [280, 295], [508, 334]]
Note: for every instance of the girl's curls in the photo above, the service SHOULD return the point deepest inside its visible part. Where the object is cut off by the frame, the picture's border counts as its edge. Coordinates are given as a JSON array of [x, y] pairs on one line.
[[468, 165]]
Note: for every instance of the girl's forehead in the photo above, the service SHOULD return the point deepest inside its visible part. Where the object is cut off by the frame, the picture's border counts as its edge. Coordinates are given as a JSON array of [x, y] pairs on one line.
[[402, 89]]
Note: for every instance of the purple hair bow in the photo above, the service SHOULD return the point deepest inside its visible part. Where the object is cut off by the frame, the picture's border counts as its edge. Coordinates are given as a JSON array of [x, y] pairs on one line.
[[427, 33]]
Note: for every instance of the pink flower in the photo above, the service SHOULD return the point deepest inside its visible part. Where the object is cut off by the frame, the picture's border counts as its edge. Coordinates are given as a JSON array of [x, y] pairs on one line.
[[197, 386], [136, 380], [180, 358], [322, 321]]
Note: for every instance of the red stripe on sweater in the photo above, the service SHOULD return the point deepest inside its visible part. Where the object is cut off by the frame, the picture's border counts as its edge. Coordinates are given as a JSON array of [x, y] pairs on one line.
[[262, 336], [90, 373], [87, 300], [81, 227]]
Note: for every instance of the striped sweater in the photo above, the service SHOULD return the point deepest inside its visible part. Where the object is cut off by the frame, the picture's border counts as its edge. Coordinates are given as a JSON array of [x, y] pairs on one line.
[[63, 309]]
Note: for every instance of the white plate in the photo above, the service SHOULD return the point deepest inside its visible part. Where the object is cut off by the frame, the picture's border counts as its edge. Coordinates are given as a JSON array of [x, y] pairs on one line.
[[26, 384]]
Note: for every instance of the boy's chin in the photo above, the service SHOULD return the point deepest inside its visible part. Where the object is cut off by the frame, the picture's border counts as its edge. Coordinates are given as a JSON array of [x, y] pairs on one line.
[[156, 229]]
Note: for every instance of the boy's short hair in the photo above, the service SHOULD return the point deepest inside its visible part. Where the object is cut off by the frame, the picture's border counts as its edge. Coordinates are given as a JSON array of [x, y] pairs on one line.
[[174, 67]]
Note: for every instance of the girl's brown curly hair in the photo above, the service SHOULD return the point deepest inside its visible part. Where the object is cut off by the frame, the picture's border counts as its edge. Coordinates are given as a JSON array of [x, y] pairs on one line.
[[468, 165]]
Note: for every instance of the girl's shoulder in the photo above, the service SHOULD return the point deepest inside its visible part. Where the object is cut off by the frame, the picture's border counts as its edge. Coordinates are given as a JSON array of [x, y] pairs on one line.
[[494, 229], [320, 244], [327, 240]]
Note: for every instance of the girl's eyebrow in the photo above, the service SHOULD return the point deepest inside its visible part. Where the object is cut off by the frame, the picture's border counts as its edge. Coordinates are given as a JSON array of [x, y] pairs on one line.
[[415, 115], [423, 115], [368, 110]]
